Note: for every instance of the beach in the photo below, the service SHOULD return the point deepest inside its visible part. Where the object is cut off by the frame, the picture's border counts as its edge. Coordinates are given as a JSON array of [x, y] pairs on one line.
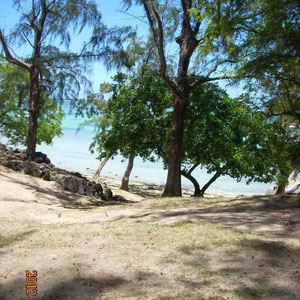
[[71, 152]]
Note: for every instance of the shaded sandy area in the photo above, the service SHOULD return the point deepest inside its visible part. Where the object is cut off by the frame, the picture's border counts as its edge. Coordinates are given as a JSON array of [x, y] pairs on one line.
[[82, 248]]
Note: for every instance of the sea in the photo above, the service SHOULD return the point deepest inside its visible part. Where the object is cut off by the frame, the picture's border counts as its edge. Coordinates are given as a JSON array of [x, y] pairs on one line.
[[71, 151]]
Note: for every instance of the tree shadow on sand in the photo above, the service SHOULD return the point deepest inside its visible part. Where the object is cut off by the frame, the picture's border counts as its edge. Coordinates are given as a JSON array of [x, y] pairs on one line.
[[271, 270], [277, 216], [8, 240], [80, 287]]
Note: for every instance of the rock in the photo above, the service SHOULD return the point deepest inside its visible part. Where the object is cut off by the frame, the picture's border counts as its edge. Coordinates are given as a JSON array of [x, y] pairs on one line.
[[73, 184], [107, 194], [43, 168], [47, 160], [69, 183], [33, 169], [77, 174], [16, 165], [40, 154], [46, 174], [39, 160], [98, 188]]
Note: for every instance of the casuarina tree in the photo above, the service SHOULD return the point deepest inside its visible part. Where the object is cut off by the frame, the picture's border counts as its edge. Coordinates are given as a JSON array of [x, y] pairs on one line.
[[43, 25]]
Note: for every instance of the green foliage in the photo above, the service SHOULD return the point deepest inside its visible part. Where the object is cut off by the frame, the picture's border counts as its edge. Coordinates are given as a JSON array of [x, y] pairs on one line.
[[226, 136], [137, 111], [267, 48], [63, 72], [14, 108], [94, 107]]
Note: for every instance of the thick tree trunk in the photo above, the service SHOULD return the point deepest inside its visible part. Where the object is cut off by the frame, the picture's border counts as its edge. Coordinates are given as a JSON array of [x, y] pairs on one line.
[[34, 111], [207, 185], [125, 179], [173, 184], [101, 166], [280, 190]]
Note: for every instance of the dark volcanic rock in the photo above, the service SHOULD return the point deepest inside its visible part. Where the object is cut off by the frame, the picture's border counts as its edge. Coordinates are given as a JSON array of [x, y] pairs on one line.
[[32, 168], [107, 194], [41, 158]]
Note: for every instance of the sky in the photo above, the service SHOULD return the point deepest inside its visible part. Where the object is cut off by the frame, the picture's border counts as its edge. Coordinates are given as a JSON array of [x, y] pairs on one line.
[[112, 16]]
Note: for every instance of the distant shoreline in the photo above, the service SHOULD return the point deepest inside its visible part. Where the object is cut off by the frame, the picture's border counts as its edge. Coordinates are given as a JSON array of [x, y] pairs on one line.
[[157, 189]]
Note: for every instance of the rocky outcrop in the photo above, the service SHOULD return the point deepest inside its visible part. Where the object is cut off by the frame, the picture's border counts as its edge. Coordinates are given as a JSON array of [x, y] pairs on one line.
[[42, 167]]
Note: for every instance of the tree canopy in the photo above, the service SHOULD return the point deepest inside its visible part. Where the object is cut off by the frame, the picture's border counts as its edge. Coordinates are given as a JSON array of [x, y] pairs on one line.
[[14, 108]]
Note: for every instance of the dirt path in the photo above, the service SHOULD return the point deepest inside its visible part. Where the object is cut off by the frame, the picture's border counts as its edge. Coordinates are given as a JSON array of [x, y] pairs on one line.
[[156, 249]]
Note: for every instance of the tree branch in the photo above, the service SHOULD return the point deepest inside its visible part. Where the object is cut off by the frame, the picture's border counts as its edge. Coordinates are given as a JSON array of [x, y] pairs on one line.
[[193, 168], [9, 57], [219, 63], [159, 42], [210, 79]]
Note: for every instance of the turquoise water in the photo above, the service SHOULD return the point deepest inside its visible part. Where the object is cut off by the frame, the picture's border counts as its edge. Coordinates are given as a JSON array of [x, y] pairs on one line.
[[71, 151]]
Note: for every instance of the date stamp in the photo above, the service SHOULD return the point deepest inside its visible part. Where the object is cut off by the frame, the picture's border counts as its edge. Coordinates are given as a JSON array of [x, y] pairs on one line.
[[31, 284]]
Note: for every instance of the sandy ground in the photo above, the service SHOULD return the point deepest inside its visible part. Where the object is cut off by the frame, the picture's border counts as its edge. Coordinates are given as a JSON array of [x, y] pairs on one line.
[[152, 248]]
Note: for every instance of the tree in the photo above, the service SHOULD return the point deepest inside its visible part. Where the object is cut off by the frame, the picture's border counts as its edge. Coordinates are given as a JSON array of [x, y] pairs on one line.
[[94, 108], [49, 69], [138, 125], [270, 35], [140, 114], [14, 108], [272, 61], [227, 137], [196, 28]]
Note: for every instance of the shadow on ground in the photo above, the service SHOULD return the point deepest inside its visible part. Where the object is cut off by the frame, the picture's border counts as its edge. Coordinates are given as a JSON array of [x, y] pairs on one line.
[[53, 196], [270, 270], [277, 216]]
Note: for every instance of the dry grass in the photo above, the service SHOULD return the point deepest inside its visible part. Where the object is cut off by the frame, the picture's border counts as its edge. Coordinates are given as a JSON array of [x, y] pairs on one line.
[[219, 248]]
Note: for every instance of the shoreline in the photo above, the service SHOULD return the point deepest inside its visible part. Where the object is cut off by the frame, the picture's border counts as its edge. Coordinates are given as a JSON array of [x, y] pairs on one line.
[[114, 171], [139, 187]]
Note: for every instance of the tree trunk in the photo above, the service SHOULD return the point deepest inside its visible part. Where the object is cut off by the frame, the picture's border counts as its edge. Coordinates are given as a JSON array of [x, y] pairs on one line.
[[125, 179], [101, 166], [194, 181], [34, 111], [173, 184], [188, 175], [206, 186], [280, 190]]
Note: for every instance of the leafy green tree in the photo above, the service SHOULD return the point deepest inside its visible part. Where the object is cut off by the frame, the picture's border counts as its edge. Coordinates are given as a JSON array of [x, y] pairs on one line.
[[271, 60], [193, 47], [44, 24], [136, 110], [223, 135], [14, 108], [227, 137]]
